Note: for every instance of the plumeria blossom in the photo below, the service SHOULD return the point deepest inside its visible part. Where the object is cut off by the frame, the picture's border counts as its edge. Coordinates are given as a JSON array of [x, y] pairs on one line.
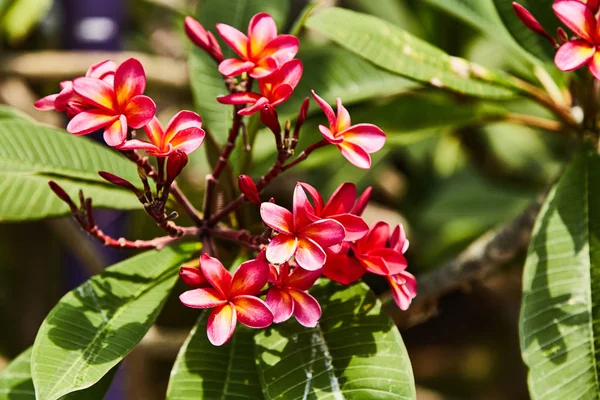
[[355, 142], [299, 236], [262, 52], [70, 102], [274, 89], [114, 107], [287, 295], [184, 132], [339, 208], [203, 38], [403, 284], [232, 297]]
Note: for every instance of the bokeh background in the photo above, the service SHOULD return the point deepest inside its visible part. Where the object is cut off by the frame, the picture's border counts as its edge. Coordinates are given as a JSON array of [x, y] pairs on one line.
[[447, 173]]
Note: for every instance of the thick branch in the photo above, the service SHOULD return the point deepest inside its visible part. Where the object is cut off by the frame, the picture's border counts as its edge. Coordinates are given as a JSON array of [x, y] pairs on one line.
[[480, 259]]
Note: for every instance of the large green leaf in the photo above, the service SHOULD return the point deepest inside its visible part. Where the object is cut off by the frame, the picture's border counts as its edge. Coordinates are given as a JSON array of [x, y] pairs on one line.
[[355, 352], [207, 83], [16, 383], [391, 48], [94, 326], [204, 371], [7, 112], [32, 154], [560, 311]]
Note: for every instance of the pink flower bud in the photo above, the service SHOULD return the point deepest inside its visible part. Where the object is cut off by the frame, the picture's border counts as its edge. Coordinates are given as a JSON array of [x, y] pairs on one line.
[[303, 111], [248, 189], [60, 192], [202, 38], [268, 116], [192, 277], [175, 164], [530, 22], [117, 181], [562, 35]]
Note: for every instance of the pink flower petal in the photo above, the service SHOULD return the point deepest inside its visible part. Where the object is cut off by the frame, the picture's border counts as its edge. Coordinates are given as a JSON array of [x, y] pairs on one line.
[[326, 109], [115, 134], [355, 226], [202, 298], [302, 279], [594, 65], [154, 132], [135, 144], [130, 81], [234, 67], [573, 54], [578, 17], [398, 240], [181, 121], [281, 94], [216, 274], [234, 39], [139, 111], [394, 260], [341, 201], [281, 248], [355, 154], [264, 67], [368, 136], [325, 232], [309, 255], [277, 217], [261, 30], [374, 264], [259, 105], [281, 304], [403, 293], [196, 32], [343, 269], [192, 277], [101, 69], [283, 48], [302, 209], [46, 103], [97, 93], [316, 196], [239, 98], [249, 278], [362, 201], [343, 117], [328, 135], [188, 140], [90, 121], [376, 239], [252, 311], [306, 308], [221, 324]]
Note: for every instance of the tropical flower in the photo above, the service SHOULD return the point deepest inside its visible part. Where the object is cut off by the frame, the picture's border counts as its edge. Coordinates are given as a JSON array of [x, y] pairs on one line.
[[287, 295], [274, 89], [184, 132], [339, 208], [114, 108], [232, 297], [262, 52], [403, 284], [70, 102], [299, 236], [355, 142], [203, 38]]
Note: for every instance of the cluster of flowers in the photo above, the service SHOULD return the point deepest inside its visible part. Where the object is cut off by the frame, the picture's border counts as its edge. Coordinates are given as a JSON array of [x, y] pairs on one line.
[[315, 239], [581, 18], [329, 239]]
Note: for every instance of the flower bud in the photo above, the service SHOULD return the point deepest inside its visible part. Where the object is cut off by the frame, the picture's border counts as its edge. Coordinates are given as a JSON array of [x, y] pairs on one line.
[[192, 277], [562, 35], [248, 189], [117, 181], [303, 111], [175, 164], [268, 116], [530, 22], [60, 192], [202, 38]]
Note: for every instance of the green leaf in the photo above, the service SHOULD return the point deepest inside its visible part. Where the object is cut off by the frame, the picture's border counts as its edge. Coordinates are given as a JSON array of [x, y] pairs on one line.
[[22, 16], [560, 312], [391, 48], [207, 82], [355, 352], [7, 112], [32, 154], [301, 20], [16, 383], [394, 11], [94, 326], [204, 371]]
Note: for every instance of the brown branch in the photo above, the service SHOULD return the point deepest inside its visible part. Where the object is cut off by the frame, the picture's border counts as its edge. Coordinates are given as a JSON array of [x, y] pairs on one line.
[[482, 258]]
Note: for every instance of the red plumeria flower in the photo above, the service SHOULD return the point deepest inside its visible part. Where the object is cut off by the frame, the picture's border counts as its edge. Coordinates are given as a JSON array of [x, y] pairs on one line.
[[114, 108], [233, 298], [262, 52], [402, 284], [274, 89], [355, 142], [70, 102], [339, 207], [368, 254], [581, 51], [299, 236], [288, 295], [184, 132]]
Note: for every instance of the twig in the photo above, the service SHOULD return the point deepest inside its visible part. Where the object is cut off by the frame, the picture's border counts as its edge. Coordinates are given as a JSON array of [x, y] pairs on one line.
[[476, 262]]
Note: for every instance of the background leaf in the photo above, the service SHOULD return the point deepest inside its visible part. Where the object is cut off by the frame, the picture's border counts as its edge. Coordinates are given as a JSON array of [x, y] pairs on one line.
[[94, 326], [560, 311], [204, 371], [389, 47], [355, 352], [22, 16], [32, 154]]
